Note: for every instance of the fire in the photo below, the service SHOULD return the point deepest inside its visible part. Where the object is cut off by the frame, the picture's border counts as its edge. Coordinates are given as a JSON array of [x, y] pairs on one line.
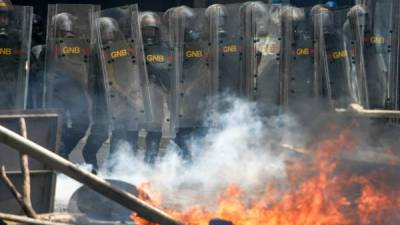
[[321, 190]]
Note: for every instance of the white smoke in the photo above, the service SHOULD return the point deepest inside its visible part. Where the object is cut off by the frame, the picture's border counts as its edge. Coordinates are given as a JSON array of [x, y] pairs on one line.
[[65, 188], [242, 150]]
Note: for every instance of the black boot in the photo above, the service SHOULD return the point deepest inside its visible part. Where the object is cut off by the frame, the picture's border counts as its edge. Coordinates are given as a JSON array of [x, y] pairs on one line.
[[94, 142], [153, 140]]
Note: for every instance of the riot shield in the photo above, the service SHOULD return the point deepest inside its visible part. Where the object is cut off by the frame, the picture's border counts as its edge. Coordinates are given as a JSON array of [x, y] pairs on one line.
[[261, 26], [70, 39], [224, 51], [191, 83], [124, 70], [332, 60], [15, 41], [372, 28], [299, 82], [159, 67], [100, 114]]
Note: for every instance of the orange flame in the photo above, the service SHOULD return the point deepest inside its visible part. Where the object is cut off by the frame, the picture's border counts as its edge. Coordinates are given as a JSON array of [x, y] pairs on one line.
[[319, 192]]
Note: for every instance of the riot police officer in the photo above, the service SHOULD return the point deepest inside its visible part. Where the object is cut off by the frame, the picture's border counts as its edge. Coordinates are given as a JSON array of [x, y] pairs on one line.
[[298, 79], [371, 27], [99, 131], [224, 50], [158, 70], [191, 84], [124, 73], [36, 75], [112, 38], [332, 59], [68, 65], [262, 55], [15, 36]]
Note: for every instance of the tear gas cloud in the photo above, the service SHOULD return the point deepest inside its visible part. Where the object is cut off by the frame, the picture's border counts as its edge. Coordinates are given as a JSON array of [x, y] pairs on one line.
[[242, 148], [238, 150]]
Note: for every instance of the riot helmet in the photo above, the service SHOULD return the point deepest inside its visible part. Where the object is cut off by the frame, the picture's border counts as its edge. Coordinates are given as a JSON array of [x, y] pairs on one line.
[[259, 11], [323, 17], [186, 15], [150, 25], [108, 28], [331, 4], [263, 25], [63, 22], [358, 12], [369, 7], [5, 8], [297, 15], [222, 17]]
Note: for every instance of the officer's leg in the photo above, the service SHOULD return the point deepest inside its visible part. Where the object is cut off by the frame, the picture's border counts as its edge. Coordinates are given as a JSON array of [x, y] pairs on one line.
[[182, 136], [76, 119], [153, 140], [97, 137], [71, 137], [116, 137], [132, 138]]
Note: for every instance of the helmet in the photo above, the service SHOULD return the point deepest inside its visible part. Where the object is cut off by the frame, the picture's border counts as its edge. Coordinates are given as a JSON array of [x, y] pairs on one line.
[[360, 13], [150, 25], [185, 14], [221, 12], [108, 28], [331, 4], [63, 23], [5, 8], [323, 16], [259, 10]]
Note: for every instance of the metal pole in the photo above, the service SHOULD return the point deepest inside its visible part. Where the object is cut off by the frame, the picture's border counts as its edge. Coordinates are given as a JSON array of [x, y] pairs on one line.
[[26, 220], [144, 210], [358, 110]]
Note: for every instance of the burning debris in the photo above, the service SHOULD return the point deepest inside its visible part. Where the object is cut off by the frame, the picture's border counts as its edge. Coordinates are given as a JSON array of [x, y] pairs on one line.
[[320, 190]]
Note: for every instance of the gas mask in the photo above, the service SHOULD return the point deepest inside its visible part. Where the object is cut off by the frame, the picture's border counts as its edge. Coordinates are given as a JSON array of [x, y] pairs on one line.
[[186, 16], [150, 25]]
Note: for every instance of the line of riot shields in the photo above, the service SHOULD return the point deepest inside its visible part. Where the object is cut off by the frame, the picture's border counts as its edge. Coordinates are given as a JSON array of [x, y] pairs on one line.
[[118, 71]]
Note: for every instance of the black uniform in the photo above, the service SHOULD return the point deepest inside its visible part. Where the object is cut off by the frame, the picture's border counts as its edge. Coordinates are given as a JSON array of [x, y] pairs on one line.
[[15, 37], [158, 65], [299, 82], [125, 81], [262, 35], [332, 59], [372, 31], [99, 131], [191, 84], [68, 65]]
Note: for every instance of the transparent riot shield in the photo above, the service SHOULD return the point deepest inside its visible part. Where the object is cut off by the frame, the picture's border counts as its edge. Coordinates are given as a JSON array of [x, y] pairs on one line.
[[159, 67], [224, 51], [15, 41], [191, 83], [70, 39], [332, 60], [121, 50], [371, 26], [298, 79], [262, 36], [395, 56]]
